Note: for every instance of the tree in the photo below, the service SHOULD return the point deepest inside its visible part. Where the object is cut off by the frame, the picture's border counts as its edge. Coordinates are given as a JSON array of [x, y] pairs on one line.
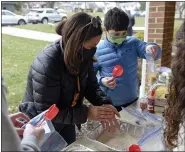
[[143, 6], [181, 7], [18, 6], [50, 4]]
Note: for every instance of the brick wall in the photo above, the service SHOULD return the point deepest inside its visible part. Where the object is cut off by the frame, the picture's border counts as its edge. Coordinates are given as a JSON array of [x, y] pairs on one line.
[[160, 28]]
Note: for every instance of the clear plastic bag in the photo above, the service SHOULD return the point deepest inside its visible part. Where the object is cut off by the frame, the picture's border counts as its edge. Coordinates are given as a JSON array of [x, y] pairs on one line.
[[142, 118], [52, 141], [152, 116], [152, 140]]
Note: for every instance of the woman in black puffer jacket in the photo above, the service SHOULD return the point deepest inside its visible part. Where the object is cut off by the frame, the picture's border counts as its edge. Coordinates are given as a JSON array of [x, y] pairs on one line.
[[63, 74]]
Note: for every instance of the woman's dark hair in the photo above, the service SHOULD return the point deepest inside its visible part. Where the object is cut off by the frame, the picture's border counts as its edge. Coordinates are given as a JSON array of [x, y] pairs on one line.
[[175, 111], [81, 27], [116, 19]]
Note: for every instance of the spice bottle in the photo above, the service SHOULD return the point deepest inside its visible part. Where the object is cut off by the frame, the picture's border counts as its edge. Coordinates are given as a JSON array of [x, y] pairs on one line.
[[142, 100], [151, 102]]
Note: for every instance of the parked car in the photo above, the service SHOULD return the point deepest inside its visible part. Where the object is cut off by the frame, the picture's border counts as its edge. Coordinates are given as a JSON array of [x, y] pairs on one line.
[[45, 15], [10, 18]]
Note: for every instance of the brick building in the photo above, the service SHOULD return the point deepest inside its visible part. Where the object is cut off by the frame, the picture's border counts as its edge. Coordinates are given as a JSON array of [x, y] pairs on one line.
[[161, 26]]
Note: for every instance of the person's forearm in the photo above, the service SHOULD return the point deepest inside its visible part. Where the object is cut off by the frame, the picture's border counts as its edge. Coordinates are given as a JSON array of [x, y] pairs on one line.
[[30, 143]]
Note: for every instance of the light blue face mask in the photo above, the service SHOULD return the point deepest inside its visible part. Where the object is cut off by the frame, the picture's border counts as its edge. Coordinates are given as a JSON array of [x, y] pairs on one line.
[[116, 39]]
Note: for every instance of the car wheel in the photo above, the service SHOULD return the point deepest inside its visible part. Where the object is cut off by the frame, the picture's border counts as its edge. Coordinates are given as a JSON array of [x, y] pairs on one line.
[[44, 21], [21, 22]]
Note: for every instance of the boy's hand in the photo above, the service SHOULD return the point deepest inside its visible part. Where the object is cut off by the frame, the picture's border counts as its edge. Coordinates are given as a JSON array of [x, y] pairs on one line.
[[109, 82], [152, 49]]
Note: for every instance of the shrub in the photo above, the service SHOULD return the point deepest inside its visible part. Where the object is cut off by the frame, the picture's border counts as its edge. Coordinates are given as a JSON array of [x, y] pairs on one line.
[[140, 35]]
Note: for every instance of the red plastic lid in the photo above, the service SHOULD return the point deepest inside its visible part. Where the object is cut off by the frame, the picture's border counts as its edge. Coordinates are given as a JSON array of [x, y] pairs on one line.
[[117, 71], [153, 93], [52, 112], [134, 148]]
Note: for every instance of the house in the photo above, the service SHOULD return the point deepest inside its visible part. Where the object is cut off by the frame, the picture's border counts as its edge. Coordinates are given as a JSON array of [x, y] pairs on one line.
[[8, 5]]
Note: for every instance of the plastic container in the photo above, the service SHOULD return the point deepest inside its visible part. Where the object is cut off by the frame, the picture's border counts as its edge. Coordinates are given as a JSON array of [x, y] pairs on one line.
[[151, 102], [142, 100], [151, 66], [52, 140], [143, 104], [151, 72]]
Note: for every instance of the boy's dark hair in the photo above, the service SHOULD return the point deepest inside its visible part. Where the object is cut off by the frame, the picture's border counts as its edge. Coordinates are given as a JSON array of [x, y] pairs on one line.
[[116, 19], [78, 29]]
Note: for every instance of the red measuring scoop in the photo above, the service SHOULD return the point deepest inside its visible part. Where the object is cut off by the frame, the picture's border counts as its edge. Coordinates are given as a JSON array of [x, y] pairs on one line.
[[134, 148], [50, 114], [117, 71]]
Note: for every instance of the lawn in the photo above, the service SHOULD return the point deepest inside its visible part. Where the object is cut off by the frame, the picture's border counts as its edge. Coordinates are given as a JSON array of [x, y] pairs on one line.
[[48, 28], [139, 22], [17, 56]]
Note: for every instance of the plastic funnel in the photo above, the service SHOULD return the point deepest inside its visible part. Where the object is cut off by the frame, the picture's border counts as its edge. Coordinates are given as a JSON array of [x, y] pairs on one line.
[[51, 113], [117, 71]]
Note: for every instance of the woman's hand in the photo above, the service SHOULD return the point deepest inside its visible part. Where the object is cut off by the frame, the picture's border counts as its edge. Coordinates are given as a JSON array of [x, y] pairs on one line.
[[105, 114], [100, 113], [18, 123], [111, 124]]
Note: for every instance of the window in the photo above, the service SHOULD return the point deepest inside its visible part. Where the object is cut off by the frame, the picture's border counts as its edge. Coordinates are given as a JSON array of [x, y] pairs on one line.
[[10, 14], [49, 11], [3, 13], [37, 11], [56, 12]]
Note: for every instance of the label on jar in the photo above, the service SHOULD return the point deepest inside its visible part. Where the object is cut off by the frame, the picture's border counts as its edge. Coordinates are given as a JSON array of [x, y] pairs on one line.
[[151, 104]]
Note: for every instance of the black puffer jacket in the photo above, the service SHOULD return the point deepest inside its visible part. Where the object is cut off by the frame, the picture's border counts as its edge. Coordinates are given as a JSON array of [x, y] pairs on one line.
[[49, 83]]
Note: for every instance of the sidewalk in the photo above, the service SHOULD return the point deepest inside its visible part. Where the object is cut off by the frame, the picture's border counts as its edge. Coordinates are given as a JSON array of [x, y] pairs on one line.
[[49, 37], [36, 35]]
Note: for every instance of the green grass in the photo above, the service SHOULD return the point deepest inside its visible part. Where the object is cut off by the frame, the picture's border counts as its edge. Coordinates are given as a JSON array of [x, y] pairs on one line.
[[177, 25], [139, 22], [17, 56], [39, 27], [51, 29]]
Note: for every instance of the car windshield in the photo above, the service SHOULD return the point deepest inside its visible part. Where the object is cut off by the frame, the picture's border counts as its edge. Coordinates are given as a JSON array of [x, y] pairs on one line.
[[37, 11]]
